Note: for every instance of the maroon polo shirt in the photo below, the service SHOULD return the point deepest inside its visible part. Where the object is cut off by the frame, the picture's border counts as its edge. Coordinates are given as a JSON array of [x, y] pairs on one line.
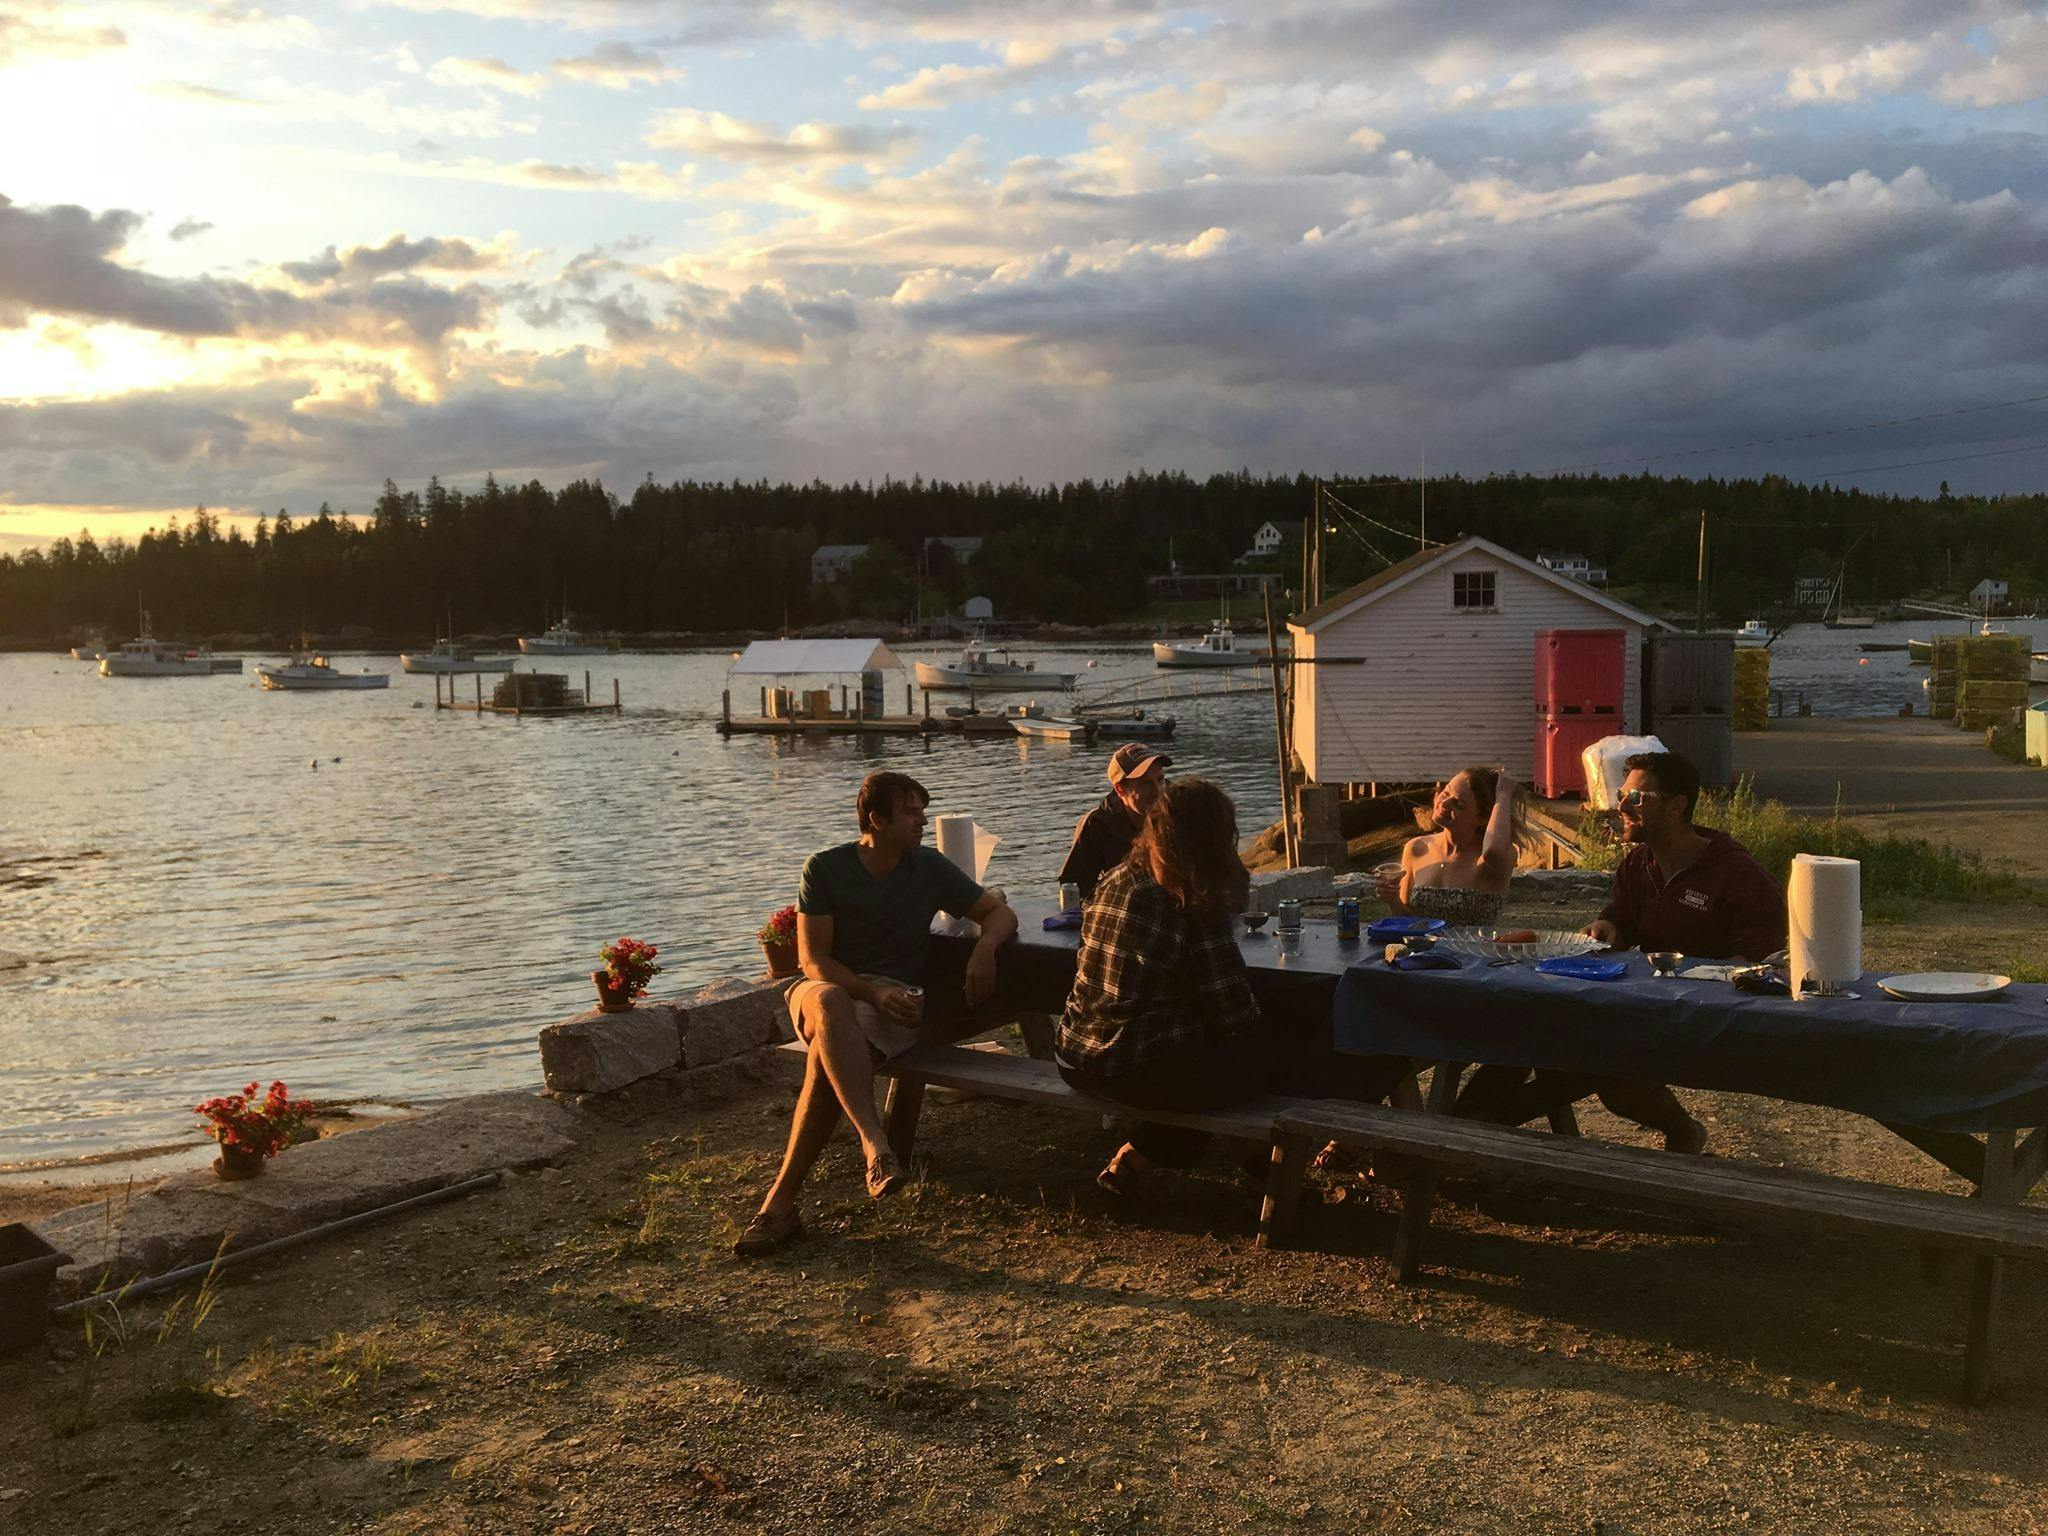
[[1722, 906]]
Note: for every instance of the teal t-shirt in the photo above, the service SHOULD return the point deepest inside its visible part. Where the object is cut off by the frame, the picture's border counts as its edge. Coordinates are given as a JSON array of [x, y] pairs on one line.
[[883, 927]]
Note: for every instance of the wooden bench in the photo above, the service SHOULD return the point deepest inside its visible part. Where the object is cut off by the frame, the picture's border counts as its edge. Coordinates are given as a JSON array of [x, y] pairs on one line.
[[1294, 1127], [1027, 1081], [1990, 1230]]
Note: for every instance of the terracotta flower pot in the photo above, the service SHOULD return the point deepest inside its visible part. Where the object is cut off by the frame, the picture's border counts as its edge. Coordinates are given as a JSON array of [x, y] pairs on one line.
[[781, 958], [238, 1163], [610, 999]]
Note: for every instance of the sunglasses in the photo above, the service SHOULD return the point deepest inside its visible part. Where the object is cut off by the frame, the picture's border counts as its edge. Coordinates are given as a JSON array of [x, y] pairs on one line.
[[1632, 799]]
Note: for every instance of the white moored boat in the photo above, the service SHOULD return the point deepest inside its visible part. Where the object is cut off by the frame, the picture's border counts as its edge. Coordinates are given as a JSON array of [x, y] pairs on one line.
[[2037, 668], [1050, 728], [560, 640], [92, 648], [1753, 632], [147, 656], [1218, 648], [985, 668], [312, 673], [448, 659]]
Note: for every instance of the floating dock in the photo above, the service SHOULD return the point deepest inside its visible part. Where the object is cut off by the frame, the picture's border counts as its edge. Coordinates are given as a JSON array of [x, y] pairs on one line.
[[520, 694]]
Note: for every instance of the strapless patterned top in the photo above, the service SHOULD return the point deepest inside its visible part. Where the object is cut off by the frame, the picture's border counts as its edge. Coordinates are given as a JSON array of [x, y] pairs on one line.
[[1455, 906]]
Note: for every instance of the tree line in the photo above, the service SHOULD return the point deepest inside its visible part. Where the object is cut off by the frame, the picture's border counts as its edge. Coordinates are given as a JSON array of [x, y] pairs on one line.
[[703, 557]]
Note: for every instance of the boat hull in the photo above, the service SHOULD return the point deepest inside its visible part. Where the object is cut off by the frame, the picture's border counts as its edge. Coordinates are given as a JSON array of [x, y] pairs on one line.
[[958, 680], [1199, 656], [531, 647], [340, 682], [1920, 650], [130, 666], [453, 666], [1054, 730], [2037, 669]]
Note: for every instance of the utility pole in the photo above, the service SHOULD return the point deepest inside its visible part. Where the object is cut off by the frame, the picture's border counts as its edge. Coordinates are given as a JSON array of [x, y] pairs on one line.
[[1700, 623], [1423, 542], [1307, 602], [1315, 594]]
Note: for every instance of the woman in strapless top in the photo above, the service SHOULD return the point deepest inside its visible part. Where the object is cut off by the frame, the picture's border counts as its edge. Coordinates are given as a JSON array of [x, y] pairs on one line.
[[1459, 871]]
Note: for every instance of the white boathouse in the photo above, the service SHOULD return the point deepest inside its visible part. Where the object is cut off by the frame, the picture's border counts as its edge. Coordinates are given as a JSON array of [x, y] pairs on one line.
[[1448, 641]]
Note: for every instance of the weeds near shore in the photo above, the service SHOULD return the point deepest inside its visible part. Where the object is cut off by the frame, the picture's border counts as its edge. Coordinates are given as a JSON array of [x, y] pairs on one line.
[[1896, 870]]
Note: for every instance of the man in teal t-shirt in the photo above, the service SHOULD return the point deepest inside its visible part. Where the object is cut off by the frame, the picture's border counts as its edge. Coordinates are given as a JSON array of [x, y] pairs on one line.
[[863, 927]]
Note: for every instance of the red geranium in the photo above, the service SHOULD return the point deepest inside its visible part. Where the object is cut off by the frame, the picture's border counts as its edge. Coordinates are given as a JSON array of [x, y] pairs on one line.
[[249, 1124], [630, 964], [780, 928]]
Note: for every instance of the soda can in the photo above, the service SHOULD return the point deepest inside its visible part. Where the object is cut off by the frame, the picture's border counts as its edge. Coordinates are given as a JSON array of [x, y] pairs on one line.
[[916, 996], [1070, 896], [1287, 918], [1347, 917]]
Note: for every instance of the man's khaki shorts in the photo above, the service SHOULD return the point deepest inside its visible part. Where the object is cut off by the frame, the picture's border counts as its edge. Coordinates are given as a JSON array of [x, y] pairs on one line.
[[889, 1037]]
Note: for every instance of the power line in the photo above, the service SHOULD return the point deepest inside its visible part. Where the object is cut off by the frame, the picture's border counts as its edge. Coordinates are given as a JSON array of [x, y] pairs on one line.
[[1805, 437], [1955, 458]]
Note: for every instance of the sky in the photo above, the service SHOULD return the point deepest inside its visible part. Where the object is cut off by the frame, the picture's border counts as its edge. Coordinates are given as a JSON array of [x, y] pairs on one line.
[[259, 258]]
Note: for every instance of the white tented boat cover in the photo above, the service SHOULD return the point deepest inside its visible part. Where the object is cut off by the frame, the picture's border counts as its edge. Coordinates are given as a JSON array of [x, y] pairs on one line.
[[780, 658]]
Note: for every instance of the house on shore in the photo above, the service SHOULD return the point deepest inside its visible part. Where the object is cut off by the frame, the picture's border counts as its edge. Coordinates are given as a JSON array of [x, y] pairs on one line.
[[830, 562], [1447, 639]]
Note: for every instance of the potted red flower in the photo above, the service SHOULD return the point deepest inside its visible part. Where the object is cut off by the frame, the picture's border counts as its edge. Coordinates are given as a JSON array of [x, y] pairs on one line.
[[251, 1130], [628, 968], [778, 942]]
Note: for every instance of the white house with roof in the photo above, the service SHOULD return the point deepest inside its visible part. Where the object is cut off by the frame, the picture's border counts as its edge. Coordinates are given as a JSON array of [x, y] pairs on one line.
[[1989, 592], [829, 562], [963, 548], [1434, 665], [1265, 541], [1578, 567]]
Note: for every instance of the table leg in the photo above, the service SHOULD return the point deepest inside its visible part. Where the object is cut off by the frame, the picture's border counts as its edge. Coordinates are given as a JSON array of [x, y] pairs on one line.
[[1283, 1189], [1406, 1093], [1988, 1277], [1420, 1195], [899, 1114], [1564, 1121]]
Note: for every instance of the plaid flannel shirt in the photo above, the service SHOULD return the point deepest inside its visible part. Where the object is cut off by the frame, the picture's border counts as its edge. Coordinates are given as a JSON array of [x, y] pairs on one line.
[[1151, 981]]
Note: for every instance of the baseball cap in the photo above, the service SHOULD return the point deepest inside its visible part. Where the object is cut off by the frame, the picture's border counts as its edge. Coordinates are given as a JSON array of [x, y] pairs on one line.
[[1133, 759]]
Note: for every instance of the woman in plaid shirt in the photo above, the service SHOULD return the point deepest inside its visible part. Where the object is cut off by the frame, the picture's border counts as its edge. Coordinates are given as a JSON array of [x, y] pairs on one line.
[[1162, 1014]]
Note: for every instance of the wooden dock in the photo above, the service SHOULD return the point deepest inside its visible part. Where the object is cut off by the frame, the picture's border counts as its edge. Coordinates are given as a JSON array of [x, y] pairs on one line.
[[519, 695], [832, 725]]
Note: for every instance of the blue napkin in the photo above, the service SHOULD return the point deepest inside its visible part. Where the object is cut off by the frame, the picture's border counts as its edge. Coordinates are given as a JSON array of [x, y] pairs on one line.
[[1062, 920], [1583, 968], [1389, 930], [1428, 960]]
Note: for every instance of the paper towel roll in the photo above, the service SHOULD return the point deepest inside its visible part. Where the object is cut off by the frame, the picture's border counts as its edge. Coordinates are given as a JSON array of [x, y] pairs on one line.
[[968, 845], [1824, 910]]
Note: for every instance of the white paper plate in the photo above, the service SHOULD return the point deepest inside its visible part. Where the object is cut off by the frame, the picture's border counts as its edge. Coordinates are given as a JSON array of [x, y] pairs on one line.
[[1945, 986], [1550, 942], [1709, 972]]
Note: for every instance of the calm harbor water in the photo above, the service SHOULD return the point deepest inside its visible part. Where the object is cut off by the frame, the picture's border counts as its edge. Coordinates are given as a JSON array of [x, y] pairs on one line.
[[187, 902]]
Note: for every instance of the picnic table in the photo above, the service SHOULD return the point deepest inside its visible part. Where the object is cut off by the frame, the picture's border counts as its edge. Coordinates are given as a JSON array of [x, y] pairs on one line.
[[1967, 1083]]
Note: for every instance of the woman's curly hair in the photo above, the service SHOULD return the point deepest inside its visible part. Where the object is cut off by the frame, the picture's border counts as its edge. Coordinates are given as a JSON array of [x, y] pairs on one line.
[[1189, 843]]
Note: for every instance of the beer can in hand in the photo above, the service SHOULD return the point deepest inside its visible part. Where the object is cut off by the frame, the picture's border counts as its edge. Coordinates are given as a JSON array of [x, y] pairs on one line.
[[916, 996]]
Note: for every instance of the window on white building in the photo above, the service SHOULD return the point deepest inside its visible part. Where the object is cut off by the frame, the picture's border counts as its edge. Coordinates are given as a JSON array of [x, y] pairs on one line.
[[1472, 590]]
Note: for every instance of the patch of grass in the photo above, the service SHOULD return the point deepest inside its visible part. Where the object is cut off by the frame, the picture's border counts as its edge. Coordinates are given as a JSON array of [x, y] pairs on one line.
[[1895, 869], [2022, 968]]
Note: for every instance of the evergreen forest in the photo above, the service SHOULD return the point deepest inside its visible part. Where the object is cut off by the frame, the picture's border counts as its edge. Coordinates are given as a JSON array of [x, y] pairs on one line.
[[691, 557]]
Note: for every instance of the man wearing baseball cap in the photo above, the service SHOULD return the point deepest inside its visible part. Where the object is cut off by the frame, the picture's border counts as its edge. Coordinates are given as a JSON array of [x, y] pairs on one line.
[[1105, 834]]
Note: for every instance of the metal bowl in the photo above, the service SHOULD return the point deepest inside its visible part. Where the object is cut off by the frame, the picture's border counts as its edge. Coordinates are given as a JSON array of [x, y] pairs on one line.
[[1254, 921]]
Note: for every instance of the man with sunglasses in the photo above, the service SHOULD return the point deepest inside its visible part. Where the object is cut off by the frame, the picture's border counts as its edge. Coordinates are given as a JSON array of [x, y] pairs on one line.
[[1678, 887]]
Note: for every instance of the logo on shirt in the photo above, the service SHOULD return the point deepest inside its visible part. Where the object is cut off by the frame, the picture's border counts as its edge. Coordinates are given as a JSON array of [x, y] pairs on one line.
[[1695, 899]]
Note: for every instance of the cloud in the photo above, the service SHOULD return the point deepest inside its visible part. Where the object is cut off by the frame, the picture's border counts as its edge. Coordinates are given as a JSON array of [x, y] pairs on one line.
[[24, 38], [1873, 69], [186, 229], [716, 136], [203, 95], [366, 263], [2015, 71], [617, 66], [487, 75], [63, 261]]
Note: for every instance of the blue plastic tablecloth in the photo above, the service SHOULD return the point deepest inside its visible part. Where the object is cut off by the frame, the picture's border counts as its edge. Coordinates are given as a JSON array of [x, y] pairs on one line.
[[1946, 1066]]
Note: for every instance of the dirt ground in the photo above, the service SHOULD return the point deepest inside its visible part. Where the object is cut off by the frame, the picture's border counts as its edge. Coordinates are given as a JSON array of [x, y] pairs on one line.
[[1003, 1348]]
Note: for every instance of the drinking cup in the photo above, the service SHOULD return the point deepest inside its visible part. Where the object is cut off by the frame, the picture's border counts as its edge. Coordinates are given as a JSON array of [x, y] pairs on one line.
[[1664, 962]]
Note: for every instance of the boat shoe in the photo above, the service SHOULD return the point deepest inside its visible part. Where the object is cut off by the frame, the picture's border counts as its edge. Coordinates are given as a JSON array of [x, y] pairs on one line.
[[768, 1232]]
